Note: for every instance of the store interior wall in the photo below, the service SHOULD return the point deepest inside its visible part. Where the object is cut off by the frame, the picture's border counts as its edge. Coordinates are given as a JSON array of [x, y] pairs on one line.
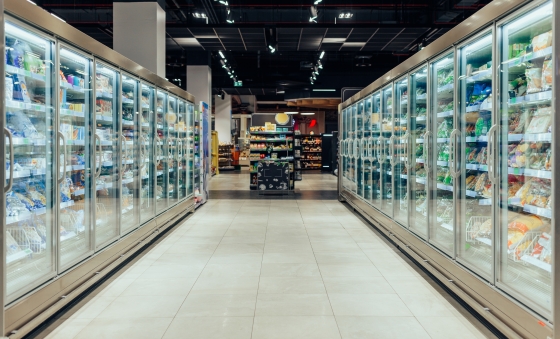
[[305, 122], [199, 84], [222, 117], [139, 33]]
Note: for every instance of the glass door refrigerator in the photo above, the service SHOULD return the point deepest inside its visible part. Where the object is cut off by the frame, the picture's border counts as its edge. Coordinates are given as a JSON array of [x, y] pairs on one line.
[[353, 148], [129, 154], [181, 127], [366, 150], [147, 163], [29, 146], [385, 146], [344, 148], [474, 147], [75, 152], [190, 149], [419, 141], [375, 150], [399, 152], [359, 156], [107, 166], [442, 103], [524, 217], [172, 144], [161, 153]]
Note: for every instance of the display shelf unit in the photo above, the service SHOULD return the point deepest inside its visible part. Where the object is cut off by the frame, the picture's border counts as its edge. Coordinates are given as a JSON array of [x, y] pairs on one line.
[[225, 157], [311, 152], [451, 156]]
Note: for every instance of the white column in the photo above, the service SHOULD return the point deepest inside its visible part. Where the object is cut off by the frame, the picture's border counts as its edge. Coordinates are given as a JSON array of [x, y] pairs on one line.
[[139, 33], [199, 84], [222, 117]]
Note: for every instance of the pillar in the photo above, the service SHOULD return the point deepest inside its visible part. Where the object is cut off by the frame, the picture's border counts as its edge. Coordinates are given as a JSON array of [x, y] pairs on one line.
[[139, 32], [222, 117], [199, 83]]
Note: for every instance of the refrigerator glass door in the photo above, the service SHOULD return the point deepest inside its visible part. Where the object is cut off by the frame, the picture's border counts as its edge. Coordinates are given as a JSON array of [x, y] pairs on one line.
[[417, 173], [181, 127], [162, 155], [107, 165], [525, 163], [173, 144], [147, 163], [75, 121], [359, 158], [385, 140], [474, 223], [366, 150], [129, 154], [399, 153], [190, 148], [442, 76], [375, 151], [30, 170], [346, 175]]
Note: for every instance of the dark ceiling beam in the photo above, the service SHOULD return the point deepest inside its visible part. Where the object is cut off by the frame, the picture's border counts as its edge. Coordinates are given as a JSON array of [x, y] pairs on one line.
[[281, 25]]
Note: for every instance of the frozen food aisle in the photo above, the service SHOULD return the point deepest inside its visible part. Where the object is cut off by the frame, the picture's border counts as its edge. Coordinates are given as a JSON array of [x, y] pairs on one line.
[[451, 154], [80, 171], [247, 269]]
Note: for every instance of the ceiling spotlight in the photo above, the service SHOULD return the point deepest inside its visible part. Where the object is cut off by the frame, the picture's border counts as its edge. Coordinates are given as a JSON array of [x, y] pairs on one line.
[[199, 15], [317, 2], [230, 76], [272, 49], [223, 63], [313, 76], [222, 54], [316, 70], [319, 64], [225, 3], [229, 17], [345, 15], [322, 55]]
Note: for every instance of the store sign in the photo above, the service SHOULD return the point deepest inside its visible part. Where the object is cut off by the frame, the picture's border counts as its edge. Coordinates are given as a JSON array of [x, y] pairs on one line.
[[238, 83]]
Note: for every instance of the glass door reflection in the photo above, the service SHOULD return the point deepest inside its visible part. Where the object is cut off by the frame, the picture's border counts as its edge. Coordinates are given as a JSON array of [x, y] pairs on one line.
[[385, 146], [399, 152], [161, 153], [173, 147], [376, 150], [147, 164]]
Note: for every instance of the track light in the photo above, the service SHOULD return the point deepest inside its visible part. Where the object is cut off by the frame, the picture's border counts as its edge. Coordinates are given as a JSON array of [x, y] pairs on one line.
[[317, 2], [322, 55], [223, 63], [314, 13], [199, 15], [272, 49], [225, 3], [345, 15], [319, 64], [229, 17], [222, 54]]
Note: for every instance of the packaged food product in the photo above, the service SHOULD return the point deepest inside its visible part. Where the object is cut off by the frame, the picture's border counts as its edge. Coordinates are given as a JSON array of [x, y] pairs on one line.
[[543, 248], [11, 244], [525, 223], [513, 188], [547, 74], [480, 182], [484, 229], [482, 156], [539, 124], [534, 79], [542, 41]]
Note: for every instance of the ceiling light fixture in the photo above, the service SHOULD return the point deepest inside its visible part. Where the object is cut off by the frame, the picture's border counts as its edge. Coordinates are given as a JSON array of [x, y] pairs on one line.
[[323, 90], [222, 54], [317, 2], [291, 112], [345, 15], [314, 14], [319, 64], [229, 17], [322, 55], [225, 3], [272, 49], [307, 113]]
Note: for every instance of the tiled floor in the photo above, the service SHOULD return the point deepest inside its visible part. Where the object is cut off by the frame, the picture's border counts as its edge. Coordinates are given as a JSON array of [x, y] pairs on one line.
[[266, 269]]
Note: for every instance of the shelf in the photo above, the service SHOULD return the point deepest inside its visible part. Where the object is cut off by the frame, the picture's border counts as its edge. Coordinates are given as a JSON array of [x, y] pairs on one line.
[[271, 140], [543, 212], [477, 167], [40, 211], [270, 132], [444, 114], [311, 151], [445, 88], [274, 150], [530, 172], [20, 105], [485, 75], [531, 99], [99, 94], [530, 137], [528, 57], [21, 71], [536, 262], [103, 118], [482, 138], [127, 181], [72, 88], [72, 113], [442, 140]]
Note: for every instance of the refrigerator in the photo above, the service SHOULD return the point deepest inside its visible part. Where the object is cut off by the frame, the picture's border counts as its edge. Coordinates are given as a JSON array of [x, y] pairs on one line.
[[458, 150], [162, 153], [147, 146]]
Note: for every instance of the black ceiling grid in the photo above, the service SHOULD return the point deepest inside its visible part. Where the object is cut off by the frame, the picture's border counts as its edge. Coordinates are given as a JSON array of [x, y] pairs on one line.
[[387, 32]]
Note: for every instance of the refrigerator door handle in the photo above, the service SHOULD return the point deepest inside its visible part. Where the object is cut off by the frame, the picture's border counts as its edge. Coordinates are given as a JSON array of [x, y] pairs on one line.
[[61, 137], [426, 150], [392, 149], [453, 153], [11, 180], [156, 144], [492, 134], [404, 140], [123, 139], [98, 156]]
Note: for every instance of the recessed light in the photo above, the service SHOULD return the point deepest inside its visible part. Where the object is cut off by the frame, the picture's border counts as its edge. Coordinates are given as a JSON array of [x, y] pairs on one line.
[[308, 113]]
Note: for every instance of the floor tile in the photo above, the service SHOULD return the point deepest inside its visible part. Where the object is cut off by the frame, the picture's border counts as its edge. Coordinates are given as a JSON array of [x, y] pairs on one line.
[[426, 305], [383, 327], [447, 327], [369, 305], [94, 307], [145, 307], [210, 328], [221, 285], [341, 258], [357, 285], [349, 270], [218, 305], [289, 258], [289, 270], [291, 285], [295, 327], [69, 329], [160, 287], [231, 270], [119, 327], [292, 304]]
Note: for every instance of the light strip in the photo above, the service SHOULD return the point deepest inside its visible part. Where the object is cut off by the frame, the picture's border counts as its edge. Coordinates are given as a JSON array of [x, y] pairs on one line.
[[322, 55], [222, 55], [291, 112], [308, 113], [324, 90], [59, 18]]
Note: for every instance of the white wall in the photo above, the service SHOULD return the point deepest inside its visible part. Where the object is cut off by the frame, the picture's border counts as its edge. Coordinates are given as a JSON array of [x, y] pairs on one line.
[[222, 117], [199, 84], [139, 33]]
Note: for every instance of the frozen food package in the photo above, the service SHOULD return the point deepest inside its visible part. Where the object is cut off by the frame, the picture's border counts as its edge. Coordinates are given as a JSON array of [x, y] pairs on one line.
[[547, 74], [534, 79], [9, 88], [525, 223], [542, 41], [11, 244], [539, 124]]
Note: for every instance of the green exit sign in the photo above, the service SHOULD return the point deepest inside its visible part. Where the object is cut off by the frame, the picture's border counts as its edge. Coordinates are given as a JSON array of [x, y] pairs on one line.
[[238, 83]]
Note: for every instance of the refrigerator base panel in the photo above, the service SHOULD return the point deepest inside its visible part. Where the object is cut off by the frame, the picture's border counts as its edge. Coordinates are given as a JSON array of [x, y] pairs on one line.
[[31, 310], [504, 313]]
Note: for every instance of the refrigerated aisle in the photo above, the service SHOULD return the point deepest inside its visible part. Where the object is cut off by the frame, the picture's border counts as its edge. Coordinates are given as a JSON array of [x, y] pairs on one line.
[[465, 152], [77, 158]]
